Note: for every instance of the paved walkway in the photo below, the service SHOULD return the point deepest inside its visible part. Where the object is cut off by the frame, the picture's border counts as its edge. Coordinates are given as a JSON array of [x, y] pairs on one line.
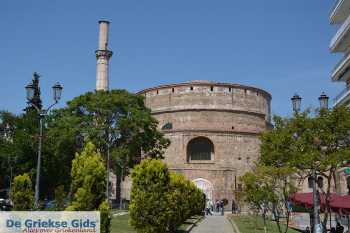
[[214, 224]]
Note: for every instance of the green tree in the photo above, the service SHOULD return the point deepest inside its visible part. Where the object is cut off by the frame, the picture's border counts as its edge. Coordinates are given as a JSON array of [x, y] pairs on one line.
[[17, 146], [119, 119], [89, 117], [308, 142], [88, 184], [116, 118], [268, 189], [22, 194]]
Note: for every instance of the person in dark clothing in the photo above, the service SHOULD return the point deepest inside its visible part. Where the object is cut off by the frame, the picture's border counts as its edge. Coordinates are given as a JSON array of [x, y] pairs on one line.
[[217, 205], [339, 228], [307, 230], [333, 230], [222, 207], [234, 208]]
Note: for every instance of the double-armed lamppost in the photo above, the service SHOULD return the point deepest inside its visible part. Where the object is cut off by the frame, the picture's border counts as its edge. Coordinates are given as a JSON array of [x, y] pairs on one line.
[[296, 102], [30, 89]]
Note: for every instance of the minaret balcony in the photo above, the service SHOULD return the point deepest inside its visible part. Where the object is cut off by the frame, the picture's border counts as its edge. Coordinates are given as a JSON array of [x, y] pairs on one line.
[[341, 40], [339, 12], [107, 54]]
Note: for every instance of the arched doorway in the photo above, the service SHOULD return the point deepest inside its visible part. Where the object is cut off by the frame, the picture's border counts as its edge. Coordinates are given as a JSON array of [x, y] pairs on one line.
[[205, 186]]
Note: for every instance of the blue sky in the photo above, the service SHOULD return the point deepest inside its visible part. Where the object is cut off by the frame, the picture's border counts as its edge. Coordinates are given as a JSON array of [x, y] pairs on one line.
[[277, 45]]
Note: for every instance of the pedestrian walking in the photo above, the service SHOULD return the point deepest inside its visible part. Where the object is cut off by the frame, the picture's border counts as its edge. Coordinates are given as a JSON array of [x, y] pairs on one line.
[[208, 208]]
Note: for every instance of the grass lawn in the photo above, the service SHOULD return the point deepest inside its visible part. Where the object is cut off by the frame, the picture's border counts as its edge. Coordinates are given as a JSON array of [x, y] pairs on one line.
[[253, 224], [120, 224]]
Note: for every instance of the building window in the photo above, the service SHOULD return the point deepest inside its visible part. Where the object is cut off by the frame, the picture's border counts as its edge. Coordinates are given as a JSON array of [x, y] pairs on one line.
[[172, 90], [191, 88], [200, 148], [310, 182], [167, 126], [320, 182], [211, 88]]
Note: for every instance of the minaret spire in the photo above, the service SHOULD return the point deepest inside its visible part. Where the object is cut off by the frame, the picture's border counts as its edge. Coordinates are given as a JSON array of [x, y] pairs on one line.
[[103, 54]]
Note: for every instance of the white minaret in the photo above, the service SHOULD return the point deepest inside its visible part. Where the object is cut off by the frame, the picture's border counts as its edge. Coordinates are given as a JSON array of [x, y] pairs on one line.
[[103, 55]]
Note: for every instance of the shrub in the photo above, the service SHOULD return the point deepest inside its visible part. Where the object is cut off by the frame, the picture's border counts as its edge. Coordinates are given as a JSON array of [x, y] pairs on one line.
[[161, 200], [149, 210], [178, 201], [22, 194], [60, 195], [184, 199], [88, 185], [105, 217], [88, 180]]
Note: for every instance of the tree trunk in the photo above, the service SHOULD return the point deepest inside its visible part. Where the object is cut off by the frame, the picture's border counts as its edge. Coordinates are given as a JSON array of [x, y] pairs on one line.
[[327, 201]]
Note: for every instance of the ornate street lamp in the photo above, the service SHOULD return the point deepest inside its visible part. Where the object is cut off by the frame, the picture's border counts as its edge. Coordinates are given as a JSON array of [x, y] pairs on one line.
[[317, 227], [30, 89], [57, 91], [296, 102], [323, 99]]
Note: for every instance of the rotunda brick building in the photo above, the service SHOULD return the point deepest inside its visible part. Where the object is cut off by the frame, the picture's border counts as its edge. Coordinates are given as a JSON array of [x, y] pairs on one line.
[[214, 130]]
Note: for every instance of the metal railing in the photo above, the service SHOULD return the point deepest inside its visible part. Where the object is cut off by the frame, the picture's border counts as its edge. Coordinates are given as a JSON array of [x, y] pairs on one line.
[[335, 5], [341, 95], [339, 64], [340, 32]]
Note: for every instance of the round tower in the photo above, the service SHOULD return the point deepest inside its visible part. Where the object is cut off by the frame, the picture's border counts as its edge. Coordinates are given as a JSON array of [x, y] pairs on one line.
[[214, 130]]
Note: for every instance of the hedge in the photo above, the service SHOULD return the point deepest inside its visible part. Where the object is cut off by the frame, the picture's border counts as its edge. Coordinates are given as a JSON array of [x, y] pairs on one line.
[[161, 200]]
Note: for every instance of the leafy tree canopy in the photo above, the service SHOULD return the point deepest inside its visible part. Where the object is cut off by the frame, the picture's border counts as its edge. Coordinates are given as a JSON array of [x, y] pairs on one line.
[[310, 142]]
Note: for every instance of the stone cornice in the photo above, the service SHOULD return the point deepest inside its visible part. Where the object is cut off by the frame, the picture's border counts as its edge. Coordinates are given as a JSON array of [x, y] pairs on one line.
[[251, 133], [206, 83]]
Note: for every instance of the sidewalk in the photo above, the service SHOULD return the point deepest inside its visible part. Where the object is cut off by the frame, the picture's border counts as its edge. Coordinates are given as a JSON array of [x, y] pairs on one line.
[[214, 224]]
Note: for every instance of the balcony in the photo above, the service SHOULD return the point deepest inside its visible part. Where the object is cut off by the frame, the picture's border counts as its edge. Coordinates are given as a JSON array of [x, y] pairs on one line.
[[341, 40], [339, 12], [342, 98], [341, 69]]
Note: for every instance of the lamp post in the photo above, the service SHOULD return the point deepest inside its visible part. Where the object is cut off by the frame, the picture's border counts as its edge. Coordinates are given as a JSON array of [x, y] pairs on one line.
[[30, 89], [296, 102], [323, 101]]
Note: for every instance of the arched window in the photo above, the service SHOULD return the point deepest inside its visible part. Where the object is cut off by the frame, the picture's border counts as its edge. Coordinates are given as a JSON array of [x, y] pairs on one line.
[[200, 148]]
